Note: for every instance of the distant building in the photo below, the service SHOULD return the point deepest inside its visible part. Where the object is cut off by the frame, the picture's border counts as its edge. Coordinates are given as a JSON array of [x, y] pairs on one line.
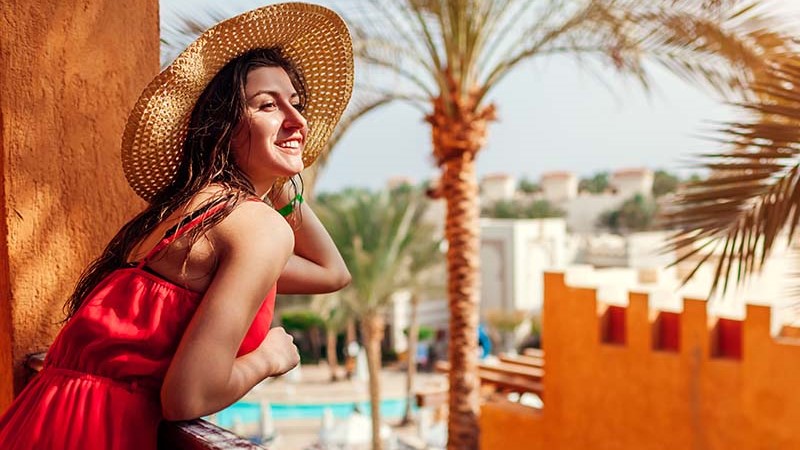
[[641, 250], [498, 187], [583, 211], [629, 182], [559, 186], [514, 256]]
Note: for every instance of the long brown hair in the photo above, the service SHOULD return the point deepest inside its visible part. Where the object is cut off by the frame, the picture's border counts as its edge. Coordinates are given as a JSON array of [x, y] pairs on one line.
[[206, 159]]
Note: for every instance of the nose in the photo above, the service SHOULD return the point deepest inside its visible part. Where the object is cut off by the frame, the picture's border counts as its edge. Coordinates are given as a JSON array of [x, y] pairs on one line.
[[293, 120]]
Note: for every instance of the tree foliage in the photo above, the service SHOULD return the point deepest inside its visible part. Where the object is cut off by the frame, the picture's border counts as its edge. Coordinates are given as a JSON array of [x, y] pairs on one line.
[[527, 186], [383, 240], [520, 209], [301, 320], [596, 184], [638, 213], [664, 183]]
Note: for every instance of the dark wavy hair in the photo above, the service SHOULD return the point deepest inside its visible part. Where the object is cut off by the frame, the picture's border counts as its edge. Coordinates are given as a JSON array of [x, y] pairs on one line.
[[207, 159]]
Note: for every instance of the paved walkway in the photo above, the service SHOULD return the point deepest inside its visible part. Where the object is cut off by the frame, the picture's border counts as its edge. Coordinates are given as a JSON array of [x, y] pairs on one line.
[[312, 385]]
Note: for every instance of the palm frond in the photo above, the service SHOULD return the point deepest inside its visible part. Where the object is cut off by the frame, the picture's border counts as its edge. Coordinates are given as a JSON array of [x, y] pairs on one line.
[[724, 47], [181, 29], [359, 106], [380, 236], [753, 194]]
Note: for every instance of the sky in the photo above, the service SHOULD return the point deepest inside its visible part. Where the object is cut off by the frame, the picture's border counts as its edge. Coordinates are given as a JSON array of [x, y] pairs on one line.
[[551, 116]]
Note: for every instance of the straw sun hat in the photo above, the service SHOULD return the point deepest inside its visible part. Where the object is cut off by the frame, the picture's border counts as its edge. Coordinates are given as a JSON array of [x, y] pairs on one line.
[[313, 37]]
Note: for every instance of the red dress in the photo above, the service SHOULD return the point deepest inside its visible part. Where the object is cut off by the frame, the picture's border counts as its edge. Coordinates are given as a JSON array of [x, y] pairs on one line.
[[99, 388]]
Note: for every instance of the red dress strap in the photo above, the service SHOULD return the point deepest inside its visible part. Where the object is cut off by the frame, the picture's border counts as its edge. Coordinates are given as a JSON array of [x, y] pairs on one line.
[[175, 233], [195, 218]]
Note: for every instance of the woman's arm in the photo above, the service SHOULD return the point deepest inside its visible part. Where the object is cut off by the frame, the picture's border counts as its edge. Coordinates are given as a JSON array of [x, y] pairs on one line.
[[253, 244], [316, 266]]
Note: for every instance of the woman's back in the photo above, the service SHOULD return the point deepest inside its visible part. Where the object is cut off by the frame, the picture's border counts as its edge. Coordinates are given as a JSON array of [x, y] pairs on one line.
[[106, 367]]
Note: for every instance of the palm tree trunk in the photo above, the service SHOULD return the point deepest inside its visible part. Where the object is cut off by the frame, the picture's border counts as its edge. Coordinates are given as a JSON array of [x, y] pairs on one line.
[[413, 334], [333, 362], [460, 189], [350, 333], [314, 340], [372, 326], [459, 130], [349, 359]]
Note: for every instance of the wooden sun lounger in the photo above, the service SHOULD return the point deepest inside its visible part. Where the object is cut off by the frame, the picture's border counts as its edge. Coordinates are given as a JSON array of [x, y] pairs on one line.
[[523, 360], [535, 352], [534, 373], [505, 378]]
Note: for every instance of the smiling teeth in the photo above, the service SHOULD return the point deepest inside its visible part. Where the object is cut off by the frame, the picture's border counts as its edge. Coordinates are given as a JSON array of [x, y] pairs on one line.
[[290, 144]]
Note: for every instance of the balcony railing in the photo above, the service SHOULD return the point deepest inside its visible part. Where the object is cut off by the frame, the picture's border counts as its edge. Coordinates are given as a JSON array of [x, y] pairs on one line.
[[196, 434]]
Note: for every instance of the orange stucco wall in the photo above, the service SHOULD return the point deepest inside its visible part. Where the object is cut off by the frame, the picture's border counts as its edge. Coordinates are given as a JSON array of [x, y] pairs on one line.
[[70, 70], [630, 396]]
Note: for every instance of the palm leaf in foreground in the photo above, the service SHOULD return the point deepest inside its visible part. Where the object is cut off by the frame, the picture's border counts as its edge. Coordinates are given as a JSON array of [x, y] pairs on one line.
[[753, 193]]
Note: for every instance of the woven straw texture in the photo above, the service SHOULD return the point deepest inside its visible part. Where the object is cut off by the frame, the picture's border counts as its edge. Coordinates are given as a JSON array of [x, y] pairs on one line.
[[314, 37]]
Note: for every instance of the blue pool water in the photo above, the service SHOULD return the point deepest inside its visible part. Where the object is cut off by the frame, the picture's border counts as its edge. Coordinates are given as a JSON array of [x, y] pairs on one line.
[[249, 412]]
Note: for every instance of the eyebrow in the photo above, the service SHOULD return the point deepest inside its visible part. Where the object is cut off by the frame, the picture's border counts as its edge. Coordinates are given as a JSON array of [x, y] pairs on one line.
[[272, 93]]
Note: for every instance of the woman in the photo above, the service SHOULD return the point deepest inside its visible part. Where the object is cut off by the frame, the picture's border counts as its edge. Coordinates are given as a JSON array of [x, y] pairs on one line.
[[172, 320]]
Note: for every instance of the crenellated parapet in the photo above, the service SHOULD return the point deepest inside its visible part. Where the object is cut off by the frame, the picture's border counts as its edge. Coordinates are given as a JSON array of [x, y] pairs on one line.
[[642, 328], [635, 377]]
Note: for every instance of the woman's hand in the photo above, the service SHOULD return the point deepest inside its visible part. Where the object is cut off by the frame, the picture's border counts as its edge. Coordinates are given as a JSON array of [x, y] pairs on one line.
[[316, 267], [279, 350]]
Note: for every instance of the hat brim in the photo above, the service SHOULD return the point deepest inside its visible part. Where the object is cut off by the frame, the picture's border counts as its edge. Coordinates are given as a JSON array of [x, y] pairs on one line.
[[315, 38]]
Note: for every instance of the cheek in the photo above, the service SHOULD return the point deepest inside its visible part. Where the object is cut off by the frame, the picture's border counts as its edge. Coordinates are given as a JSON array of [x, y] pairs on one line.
[[265, 126], [240, 136]]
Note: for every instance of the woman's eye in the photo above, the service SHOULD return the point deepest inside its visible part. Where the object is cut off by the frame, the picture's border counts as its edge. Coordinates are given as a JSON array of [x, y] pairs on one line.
[[298, 106], [267, 105]]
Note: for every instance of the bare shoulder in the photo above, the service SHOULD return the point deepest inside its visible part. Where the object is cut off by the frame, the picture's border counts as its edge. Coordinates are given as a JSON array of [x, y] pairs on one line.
[[253, 227]]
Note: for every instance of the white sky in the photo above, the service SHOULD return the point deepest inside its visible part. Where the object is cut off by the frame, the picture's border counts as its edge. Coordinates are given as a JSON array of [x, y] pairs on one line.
[[552, 116]]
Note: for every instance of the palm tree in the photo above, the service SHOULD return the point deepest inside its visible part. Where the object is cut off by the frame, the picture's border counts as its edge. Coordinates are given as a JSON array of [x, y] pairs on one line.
[[425, 256], [377, 235], [753, 193], [447, 56], [334, 314]]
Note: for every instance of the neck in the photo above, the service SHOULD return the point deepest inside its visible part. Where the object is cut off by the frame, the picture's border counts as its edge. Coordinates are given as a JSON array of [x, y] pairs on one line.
[[264, 186]]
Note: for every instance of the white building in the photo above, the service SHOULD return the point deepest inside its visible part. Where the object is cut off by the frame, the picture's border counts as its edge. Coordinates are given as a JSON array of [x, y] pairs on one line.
[[498, 187], [665, 288], [558, 187], [583, 211], [514, 256], [629, 182], [643, 250]]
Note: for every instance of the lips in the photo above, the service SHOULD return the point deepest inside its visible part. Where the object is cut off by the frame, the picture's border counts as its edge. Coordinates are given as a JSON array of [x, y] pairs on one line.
[[292, 146]]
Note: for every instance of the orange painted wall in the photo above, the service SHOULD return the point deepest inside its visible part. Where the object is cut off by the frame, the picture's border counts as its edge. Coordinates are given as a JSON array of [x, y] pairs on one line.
[[70, 70], [630, 396]]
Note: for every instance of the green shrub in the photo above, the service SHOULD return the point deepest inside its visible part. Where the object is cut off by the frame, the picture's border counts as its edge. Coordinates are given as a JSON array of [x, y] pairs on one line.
[[301, 320]]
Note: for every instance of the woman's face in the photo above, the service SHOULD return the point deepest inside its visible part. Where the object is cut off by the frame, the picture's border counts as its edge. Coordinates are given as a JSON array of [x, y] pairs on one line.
[[268, 142]]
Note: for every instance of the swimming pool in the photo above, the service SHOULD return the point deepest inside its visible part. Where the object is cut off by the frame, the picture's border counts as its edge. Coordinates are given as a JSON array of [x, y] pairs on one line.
[[247, 412]]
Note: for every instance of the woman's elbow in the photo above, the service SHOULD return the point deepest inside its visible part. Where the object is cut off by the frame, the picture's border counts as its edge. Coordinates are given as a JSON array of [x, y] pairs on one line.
[[343, 279], [176, 413], [337, 279], [174, 409]]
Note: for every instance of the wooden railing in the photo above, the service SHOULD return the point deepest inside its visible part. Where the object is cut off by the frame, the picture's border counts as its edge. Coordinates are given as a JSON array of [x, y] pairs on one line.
[[196, 434]]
